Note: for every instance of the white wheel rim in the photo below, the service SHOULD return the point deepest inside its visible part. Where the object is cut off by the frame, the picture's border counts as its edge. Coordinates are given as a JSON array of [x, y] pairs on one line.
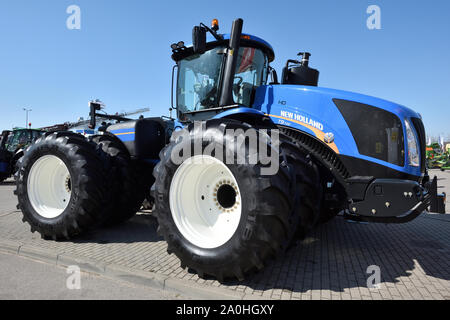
[[49, 186], [205, 201]]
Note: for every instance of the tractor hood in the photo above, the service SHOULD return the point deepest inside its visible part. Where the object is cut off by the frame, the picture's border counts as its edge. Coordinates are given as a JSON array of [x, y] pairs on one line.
[[309, 94], [351, 124]]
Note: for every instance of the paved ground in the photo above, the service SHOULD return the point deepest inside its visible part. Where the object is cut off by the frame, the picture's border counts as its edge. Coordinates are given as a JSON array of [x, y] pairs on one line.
[[23, 278], [331, 263]]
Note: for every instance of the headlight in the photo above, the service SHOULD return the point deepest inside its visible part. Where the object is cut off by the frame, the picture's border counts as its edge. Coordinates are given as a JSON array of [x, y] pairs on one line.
[[413, 147]]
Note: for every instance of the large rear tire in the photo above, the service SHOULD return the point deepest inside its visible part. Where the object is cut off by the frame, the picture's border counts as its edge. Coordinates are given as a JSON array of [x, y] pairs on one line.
[[132, 181], [222, 219], [62, 185]]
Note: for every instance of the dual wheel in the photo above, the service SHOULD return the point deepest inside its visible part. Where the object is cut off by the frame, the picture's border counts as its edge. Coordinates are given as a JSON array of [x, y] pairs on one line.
[[222, 216], [67, 184]]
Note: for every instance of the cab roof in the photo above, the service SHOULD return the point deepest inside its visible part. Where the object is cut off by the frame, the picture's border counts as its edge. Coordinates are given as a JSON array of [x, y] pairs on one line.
[[211, 42], [24, 129]]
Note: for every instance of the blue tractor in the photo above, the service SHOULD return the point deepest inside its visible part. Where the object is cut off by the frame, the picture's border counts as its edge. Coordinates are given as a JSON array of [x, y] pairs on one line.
[[335, 151]]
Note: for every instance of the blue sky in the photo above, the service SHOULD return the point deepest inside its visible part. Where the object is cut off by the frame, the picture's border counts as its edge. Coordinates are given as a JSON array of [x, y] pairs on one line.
[[121, 55]]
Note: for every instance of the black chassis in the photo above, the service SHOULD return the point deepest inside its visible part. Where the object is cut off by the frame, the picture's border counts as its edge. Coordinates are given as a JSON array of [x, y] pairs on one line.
[[391, 200]]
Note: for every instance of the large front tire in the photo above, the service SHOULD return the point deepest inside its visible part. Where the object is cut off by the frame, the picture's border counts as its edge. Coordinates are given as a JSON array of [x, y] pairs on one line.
[[222, 219], [62, 185]]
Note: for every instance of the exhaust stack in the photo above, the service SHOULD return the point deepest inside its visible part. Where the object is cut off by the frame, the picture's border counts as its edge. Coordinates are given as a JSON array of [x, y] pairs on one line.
[[226, 94], [299, 72]]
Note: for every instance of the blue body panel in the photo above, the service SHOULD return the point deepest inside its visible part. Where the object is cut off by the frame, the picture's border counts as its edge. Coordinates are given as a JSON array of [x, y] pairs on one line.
[[311, 109], [125, 135], [4, 167]]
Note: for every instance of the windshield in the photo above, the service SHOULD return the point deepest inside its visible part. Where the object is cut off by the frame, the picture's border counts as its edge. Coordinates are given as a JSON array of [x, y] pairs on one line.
[[198, 81], [199, 76], [251, 72], [20, 139]]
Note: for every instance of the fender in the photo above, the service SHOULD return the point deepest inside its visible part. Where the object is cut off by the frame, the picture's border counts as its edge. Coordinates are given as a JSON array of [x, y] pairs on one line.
[[255, 117], [143, 138]]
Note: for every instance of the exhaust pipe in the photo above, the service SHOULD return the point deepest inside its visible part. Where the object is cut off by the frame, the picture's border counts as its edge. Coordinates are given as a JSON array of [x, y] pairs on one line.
[[226, 94]]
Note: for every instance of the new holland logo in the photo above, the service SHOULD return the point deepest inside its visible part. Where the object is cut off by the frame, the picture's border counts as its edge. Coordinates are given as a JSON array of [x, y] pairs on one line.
[[328, 137], [302, 118]]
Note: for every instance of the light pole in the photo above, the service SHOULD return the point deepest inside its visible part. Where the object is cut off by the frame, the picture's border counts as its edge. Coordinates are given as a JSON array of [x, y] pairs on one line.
[[26, 111]]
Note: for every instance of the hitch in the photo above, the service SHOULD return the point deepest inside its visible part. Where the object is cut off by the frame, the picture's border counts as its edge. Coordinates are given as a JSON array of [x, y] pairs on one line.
[[437, 203]]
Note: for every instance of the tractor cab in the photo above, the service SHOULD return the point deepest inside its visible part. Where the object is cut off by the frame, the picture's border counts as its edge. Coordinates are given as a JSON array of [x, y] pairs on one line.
[[21, 138], [218, 72]]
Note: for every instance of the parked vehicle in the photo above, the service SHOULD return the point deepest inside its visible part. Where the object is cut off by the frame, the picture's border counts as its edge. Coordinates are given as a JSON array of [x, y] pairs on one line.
[[336, 150], [12, 146]]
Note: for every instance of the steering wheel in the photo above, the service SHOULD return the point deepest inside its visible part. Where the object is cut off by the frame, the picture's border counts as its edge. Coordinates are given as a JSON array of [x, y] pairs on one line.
[[207, 102], [237, 86], [240, 80]]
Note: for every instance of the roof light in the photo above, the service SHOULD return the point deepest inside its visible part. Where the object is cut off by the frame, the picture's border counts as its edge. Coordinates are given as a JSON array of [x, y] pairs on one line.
[[215, 24], [180, 44], [173, 46]]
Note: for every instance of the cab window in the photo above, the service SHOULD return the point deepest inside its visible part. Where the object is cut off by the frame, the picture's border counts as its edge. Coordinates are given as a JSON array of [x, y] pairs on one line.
[[251, 72]]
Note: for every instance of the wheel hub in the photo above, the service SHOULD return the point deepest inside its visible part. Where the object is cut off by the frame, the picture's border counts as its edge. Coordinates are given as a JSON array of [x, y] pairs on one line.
[[205, 201], [225, 195]]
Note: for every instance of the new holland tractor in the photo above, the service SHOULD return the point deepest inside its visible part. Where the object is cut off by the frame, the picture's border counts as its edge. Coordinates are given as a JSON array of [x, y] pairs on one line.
[[335, 151]]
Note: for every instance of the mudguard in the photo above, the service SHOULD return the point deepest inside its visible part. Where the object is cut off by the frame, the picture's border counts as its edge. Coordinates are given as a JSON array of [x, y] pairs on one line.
[[143, 138]]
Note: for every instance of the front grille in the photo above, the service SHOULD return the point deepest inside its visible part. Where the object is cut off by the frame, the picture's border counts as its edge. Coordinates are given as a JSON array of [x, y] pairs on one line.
[[420, 129], [377, 133]]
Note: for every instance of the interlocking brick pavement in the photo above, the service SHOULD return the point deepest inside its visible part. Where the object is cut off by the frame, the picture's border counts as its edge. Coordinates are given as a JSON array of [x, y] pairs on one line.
[[331, 263]]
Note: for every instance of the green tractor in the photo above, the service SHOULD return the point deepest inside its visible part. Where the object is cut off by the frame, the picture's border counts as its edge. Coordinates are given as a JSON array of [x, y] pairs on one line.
[[436, 159], [12, 146], [443, 162]]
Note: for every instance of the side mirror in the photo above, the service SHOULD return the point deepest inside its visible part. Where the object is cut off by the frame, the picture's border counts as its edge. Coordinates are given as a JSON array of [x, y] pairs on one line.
[[199, 39], [274, 76]]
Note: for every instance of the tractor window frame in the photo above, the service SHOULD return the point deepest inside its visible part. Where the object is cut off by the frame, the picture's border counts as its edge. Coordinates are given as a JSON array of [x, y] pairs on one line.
[[263, 73], [181, 111], [247, 98]]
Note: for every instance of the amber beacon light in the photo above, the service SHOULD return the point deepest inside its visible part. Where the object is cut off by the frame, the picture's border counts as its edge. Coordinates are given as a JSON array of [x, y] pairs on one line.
[[215, 24]]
